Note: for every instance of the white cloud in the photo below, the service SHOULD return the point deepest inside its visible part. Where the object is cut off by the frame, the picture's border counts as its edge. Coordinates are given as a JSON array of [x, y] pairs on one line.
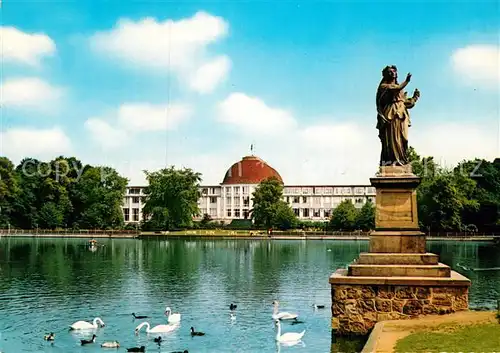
[[131, 119], [460, 141], [251, 115], [323, 153], [18, 143], [30, 93], [25, 48], [478, 63], [178, 46], [346, 152], [150, 117], [104, 134], [209, 75]]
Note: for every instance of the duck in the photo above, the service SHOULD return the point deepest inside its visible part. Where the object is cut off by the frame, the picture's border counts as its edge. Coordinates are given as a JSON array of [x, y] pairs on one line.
[[158, 340], [92, 340], [194, 333], [111, 344], [137, 349], [295, 322], [233, 307], [155, 329], [140, 316], [316, 306], [176, 317], [283, 315], [84, 325], [49, 337], [288, 336]]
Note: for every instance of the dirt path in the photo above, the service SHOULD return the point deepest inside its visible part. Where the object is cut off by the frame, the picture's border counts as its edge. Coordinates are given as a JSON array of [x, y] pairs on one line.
[[385, 334]]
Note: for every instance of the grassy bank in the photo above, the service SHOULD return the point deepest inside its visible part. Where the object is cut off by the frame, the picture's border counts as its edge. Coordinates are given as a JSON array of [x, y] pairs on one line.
[[464, 331], [453, 338]]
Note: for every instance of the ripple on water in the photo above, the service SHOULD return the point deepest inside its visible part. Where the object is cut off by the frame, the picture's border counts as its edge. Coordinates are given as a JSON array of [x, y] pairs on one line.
[[199, 279]]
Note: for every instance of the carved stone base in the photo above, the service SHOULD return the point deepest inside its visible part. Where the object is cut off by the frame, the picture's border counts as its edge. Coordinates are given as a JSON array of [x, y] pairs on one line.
[[397, 242], [358, 303]]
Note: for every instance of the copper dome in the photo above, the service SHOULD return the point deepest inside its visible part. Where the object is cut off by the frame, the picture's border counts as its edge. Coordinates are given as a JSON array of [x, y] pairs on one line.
[[250, 170]]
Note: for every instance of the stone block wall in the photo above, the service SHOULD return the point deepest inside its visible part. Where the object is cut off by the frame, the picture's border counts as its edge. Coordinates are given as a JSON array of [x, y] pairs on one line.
[[357, 308]]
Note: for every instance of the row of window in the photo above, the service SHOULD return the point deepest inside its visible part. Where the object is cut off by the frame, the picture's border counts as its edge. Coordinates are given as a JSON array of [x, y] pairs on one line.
[[329, 190], [293, 199], [227, 190], [135, 215], [316, 199]]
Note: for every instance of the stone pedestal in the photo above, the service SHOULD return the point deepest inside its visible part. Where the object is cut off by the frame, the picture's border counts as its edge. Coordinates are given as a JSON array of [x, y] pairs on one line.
[[397, 278]]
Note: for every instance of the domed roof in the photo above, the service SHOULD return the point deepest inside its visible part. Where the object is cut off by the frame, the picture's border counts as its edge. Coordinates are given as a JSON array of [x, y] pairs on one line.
[[250, 170]]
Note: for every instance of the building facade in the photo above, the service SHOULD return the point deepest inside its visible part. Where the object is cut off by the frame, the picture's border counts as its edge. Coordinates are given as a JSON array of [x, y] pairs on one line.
[[232, 199]]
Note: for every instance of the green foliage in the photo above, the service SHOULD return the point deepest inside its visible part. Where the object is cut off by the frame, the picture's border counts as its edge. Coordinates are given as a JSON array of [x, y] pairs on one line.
[[172, 198], [62, 194], [9, 190], [471, 338], [312, 225], [284, 218], [457, 199], [269, 210], [344, 216], [365, 218], [99, 195]]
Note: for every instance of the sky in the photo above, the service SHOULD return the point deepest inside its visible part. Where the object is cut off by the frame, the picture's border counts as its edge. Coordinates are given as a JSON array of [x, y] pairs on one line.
[[140, 85]]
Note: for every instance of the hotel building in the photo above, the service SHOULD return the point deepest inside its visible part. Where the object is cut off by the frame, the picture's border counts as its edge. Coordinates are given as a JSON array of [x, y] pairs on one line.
[[232, 199]]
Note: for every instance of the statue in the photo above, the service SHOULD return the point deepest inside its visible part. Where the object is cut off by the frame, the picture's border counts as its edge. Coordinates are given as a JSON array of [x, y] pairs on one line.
[[393, 118]]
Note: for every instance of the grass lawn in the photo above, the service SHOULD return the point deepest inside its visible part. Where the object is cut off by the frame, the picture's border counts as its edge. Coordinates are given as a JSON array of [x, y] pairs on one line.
[[472, 338]]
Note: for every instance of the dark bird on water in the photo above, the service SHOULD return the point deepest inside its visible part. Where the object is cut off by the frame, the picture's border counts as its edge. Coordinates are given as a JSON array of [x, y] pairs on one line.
[[316, 306], [295, 322], [184, 351], [194, 333], [139, 316], [233, 307], [49, 337], [92, 340], [137, 349], [158, 340]]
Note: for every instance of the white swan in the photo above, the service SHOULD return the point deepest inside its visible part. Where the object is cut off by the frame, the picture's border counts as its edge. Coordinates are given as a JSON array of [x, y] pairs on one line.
[[283, 315], [156, 329], [84, 325], [288, 336], [171, 318]]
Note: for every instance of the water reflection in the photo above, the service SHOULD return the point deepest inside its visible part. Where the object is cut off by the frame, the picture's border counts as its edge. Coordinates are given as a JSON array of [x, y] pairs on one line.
[[47, 284]]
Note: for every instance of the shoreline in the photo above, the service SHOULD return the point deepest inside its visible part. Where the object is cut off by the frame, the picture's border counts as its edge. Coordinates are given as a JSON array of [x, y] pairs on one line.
[[242, 236], [386, 334]]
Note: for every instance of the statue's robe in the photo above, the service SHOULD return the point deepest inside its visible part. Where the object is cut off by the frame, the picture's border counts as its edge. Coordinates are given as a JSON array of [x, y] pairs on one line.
[[393, 121]]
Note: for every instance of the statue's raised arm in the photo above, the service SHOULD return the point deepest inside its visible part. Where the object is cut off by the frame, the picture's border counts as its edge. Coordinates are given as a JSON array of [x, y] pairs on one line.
[[393, 118]]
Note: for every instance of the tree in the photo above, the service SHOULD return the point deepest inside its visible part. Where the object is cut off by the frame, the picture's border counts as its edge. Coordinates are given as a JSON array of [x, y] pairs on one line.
[[443, 201], [486, 191], [269, 209], [365, 219], [98, 195], [344, 216], [284, 218], [9, 191], [27, 205], [172, 197]]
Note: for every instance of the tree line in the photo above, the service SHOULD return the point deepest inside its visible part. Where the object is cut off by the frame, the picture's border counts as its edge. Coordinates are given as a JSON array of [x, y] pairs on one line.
[[61, 193], [65, 193]]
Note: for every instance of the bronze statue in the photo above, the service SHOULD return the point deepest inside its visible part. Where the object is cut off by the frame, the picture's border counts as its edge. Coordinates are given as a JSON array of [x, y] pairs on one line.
[[393, 118]]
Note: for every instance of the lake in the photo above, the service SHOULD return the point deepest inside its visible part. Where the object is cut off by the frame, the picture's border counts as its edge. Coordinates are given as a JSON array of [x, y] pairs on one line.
[[47, 284]]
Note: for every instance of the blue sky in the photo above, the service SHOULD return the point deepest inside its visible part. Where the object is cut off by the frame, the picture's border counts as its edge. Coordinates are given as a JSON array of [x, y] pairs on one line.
[[94, 79]]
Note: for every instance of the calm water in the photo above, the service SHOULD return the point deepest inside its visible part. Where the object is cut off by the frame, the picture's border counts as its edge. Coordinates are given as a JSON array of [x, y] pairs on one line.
[[47, 284]]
